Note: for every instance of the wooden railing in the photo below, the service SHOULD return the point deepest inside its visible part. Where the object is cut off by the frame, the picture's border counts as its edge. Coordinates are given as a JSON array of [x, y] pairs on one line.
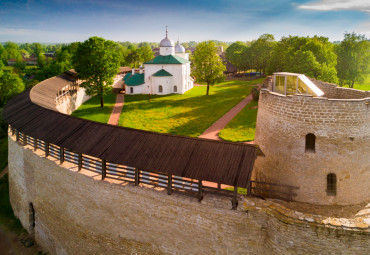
[[111, 170], [272, 190]]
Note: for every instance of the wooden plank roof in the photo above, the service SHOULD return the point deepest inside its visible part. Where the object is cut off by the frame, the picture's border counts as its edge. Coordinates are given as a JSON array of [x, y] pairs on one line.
[[202, 159]]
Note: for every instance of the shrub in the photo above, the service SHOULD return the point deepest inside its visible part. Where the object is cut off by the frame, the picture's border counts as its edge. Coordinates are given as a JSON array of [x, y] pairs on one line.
[[255, 94]]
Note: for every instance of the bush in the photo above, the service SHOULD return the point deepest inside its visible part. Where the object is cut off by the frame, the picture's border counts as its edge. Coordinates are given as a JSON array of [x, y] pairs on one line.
[[255, 94]]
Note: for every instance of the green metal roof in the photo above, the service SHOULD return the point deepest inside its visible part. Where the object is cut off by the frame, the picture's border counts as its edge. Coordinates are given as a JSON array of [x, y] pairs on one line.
[[162, 72], [170, 59], [134, 80]]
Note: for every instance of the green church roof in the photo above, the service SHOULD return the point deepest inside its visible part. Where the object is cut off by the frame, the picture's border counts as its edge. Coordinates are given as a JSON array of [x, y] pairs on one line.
[[162, 72], [134, 80], [169, 59]]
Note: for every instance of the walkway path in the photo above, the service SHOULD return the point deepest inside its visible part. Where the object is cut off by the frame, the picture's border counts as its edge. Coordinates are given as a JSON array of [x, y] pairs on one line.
[[114, 117], [120, 100], [212, 131]]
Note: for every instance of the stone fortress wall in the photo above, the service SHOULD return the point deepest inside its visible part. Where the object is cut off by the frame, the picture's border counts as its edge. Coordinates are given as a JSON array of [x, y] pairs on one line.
[[341, 123], [77, 213]]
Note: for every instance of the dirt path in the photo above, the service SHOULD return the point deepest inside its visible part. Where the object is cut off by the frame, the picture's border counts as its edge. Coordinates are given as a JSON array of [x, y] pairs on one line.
[[212, 131], [114, 117]]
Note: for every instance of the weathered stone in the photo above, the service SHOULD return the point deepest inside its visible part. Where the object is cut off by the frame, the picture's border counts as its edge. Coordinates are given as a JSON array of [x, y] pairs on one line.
[[77, 213]]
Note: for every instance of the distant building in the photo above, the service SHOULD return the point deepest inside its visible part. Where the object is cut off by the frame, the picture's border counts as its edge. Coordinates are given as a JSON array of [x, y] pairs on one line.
[[31, 60]]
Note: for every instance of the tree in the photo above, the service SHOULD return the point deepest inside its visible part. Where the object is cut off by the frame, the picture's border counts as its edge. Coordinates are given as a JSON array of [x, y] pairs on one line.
[[97, 62], [235, 53], [261, 50], [10, 85], [145, 53], [312, 56], [207, 65], [12, 51], [41, 60], [353, 59]]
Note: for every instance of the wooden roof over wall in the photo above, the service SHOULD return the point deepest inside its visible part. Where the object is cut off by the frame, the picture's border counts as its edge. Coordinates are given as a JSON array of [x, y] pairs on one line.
[[202, 159]]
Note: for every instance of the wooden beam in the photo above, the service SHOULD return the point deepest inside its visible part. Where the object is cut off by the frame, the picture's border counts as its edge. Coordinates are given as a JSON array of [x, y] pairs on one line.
[[249, 189], [200, 190], [137, 176], [17, 136], [24, 139], [169, 184], [234, 201], [47, 148], [35, 141], [61, 155], [79, 161], [103, 169]]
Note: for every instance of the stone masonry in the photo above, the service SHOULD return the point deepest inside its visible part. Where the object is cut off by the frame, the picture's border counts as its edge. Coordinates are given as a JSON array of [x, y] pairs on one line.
[[77, 213], [341, 125]]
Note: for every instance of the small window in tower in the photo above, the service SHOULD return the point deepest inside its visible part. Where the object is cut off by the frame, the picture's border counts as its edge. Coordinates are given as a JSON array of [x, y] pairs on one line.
[[174, 88], [160, 89], [131, 90], [310, 142], [331, 185]]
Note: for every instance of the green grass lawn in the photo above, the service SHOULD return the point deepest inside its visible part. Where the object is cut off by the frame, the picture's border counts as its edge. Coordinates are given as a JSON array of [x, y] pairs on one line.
[[365, 85], [238, 81], [91, 109], [189, 114], [243, 126]]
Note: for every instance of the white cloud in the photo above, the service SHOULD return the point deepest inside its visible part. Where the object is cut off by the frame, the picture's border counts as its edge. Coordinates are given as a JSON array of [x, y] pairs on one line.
[[332, 5], [31, 35], [363, 28]]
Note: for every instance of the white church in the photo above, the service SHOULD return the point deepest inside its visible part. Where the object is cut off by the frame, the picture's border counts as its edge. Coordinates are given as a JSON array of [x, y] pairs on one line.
[[167, 73]]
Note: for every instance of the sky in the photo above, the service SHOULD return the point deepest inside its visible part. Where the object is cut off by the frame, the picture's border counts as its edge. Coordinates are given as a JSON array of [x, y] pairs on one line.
[[63, 21]]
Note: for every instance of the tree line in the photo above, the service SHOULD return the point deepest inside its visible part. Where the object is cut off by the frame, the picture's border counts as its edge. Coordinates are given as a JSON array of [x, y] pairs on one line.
[[343, 63]]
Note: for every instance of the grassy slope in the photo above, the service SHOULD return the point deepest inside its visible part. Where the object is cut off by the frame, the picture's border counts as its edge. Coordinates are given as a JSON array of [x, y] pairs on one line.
[[3, 153], [91, 109], [242, 127], [189, 114], [7, 219]]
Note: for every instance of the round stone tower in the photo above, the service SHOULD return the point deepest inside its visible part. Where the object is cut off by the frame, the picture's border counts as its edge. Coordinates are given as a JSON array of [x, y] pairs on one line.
[[320, 144]]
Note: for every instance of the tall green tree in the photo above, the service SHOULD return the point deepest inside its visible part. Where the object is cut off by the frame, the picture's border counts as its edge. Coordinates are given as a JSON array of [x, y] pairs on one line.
[[235, 53], [207, 64], [12, 51], [261, 51], [97, 62], [353, 59], [10, 85], [145, 53], [290, 52]]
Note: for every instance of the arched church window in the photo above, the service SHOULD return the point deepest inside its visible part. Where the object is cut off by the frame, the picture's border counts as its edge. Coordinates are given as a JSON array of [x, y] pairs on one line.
[[160, 89], [310, 142], [331, 185], [131, 90], [174, 88]]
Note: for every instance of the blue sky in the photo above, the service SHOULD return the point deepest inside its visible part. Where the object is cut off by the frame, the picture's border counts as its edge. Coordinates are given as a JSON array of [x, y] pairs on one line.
[[197, 20]]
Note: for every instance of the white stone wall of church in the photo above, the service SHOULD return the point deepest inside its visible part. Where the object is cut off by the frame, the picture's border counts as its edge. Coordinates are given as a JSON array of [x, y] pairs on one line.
[[180, 77], [165, 51], [140, 89]]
